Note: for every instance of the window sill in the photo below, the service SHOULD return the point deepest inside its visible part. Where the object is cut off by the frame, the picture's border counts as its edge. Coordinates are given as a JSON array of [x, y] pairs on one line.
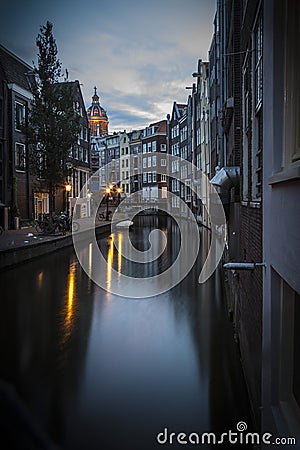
[[251, 203], [290, 173]]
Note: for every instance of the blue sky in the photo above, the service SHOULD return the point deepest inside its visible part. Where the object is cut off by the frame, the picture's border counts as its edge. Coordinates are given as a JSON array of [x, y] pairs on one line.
[[140, 54]]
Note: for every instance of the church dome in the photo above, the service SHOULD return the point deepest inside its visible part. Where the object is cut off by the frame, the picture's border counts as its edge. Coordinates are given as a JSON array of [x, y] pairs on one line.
[[97, 116]]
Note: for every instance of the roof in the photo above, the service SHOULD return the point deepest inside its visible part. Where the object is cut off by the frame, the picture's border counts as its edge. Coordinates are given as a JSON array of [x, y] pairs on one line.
[[14, 69], [178, 111], [161, 126], [77, 93]]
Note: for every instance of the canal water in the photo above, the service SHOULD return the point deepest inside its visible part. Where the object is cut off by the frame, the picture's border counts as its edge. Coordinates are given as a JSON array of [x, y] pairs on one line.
[[89, 370]]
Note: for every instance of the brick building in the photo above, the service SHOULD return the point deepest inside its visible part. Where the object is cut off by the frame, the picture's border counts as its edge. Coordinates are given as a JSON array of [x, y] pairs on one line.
[[154, 141], [15, 183], [236, 136]]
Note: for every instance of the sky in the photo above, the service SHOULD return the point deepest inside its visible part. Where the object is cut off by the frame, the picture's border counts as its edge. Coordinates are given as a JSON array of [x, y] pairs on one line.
[[140, 54]]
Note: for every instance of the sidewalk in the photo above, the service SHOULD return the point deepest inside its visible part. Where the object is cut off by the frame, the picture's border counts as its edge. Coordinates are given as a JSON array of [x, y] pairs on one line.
[[28, 236], [25, 236], [18, 246]]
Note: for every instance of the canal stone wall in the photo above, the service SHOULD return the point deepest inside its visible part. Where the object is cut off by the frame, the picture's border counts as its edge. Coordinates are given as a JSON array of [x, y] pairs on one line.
[[18, 255]]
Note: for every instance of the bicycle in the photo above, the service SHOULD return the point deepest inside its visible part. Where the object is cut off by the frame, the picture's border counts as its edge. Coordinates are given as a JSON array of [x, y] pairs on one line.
[[102, 216]]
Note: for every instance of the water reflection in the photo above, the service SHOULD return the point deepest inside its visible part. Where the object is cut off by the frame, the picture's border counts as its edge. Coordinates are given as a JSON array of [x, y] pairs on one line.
[[120, 240], [70, 298], [112, 374], [110, 260], [40, 279]]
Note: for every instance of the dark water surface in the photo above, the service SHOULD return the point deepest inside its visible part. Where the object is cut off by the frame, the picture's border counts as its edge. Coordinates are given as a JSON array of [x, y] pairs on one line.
[[97, 371]]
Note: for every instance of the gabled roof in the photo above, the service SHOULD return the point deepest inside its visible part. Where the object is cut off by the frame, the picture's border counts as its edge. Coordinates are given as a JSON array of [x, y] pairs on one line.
[[14, 69], [178, 110], [77, 93], [161, 126]]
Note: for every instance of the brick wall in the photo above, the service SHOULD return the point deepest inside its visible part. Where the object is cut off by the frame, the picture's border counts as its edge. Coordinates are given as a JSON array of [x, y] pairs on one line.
[[250, 305]]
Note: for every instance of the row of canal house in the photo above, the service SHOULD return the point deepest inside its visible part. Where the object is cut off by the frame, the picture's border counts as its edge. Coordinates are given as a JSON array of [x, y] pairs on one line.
[[132, 160], [254, 96], [21, 197]]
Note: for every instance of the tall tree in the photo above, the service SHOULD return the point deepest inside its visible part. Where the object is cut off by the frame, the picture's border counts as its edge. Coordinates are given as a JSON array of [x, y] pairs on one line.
[[53, 126]]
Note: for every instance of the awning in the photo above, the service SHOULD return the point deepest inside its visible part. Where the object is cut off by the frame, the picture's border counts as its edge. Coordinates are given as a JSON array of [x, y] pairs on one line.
[[226, 178]]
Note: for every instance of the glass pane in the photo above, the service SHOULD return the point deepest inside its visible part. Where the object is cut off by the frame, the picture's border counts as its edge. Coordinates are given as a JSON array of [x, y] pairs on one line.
[[296, 374]]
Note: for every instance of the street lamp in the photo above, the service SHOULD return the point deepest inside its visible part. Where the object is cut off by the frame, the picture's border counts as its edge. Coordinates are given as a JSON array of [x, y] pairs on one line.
[[119, 190], [68, 188], [107, 196]]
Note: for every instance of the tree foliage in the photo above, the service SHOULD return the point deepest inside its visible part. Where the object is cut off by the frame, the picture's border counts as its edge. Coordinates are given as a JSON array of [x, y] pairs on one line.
[[53, 126]]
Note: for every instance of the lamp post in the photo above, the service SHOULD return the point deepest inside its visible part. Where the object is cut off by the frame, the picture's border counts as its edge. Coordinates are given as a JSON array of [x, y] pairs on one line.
[[119, 190], [68, 188], [107, 197]]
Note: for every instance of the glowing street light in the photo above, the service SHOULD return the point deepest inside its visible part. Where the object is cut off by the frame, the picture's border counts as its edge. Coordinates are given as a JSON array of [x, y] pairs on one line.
[[68, 189]]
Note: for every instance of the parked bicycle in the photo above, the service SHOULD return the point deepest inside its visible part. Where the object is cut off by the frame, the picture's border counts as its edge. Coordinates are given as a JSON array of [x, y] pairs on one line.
[[49, 224], [102, 216]]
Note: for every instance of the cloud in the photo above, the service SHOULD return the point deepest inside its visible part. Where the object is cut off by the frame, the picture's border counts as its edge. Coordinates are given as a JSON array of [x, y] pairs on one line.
[[140, 54]]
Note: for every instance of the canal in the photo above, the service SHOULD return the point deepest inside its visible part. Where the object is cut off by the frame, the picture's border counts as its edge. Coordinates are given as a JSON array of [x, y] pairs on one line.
[[92, 370]]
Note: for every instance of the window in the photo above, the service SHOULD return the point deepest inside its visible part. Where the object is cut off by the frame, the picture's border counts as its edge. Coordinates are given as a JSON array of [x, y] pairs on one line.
[[1, 113], [286, 350], [145, 177], [257, 118], [163, 147], [154, 146], [149, 147], [246, 123], [154, 160], [188, 191], [19, 115], [144, 163], [296, 368], [257, 157], [144, 148], [163, 162], [20, 157], [1, 170], [291, 135], [183, 172], [149, 161], [149, 177], [154, 177], [258, 69], [163, 178]]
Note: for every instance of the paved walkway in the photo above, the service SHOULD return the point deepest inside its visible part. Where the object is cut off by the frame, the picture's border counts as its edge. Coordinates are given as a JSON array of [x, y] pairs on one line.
[[24, 236], [28, 236]]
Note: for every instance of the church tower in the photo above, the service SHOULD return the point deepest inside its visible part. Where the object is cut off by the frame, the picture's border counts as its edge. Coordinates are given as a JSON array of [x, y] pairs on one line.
[[97, 117]]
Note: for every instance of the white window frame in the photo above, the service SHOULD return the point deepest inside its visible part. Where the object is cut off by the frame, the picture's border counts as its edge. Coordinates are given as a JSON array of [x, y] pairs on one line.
[[19, 107], [291, 129]]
